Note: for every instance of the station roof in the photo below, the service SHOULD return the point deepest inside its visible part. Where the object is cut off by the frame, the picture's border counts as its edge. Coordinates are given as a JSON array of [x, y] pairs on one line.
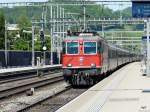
[[82, 37], [13, 27]]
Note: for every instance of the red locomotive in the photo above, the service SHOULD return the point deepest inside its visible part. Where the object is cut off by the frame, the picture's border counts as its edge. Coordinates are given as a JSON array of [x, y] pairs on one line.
[[87, 58]]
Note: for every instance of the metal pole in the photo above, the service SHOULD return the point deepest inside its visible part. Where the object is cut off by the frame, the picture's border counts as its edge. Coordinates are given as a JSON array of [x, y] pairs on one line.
[[6, 61], [103, 35], [57, 26], [84, 18], [112, 38], [43, 25], [132, 45], [63, 24], [121, 41], [45, 16], [60, 38], [51, 35], [67, 18], [148, 49], [54, 20], [33, 55], [120, 16]]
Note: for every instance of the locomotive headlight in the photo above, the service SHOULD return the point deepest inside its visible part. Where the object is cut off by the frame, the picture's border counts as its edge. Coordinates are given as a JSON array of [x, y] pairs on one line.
[[81, 59], [69, 65], [93, 65]]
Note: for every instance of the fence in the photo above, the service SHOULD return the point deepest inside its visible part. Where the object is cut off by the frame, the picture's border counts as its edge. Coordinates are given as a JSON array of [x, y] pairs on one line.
[[24, 58]]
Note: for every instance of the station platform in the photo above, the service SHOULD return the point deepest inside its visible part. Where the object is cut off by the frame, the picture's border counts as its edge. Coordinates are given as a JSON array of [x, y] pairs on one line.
[[26, 69], [126, 90]]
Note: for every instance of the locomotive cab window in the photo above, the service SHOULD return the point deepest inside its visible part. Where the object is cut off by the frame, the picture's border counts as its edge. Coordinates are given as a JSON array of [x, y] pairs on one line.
[[72, 47], [90, 47]]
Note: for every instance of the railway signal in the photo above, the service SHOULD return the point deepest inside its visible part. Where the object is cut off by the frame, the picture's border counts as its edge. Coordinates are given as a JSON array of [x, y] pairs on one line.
[[42, 35]]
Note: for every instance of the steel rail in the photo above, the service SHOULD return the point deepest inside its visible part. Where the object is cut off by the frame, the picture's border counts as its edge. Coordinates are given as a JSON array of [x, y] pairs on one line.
[[26, 86], [18, 78], [66, 88]]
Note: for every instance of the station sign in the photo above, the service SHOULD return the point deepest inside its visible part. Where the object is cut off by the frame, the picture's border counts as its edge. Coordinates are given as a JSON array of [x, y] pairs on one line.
[[141, 8], [144, 38]]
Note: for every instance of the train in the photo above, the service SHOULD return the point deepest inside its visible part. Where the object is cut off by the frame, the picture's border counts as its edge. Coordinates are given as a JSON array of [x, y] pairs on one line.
[[87, 58]]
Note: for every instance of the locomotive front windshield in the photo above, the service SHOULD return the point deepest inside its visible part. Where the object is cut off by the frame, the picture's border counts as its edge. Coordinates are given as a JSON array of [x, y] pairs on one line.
[[72, 47], [89, 47]]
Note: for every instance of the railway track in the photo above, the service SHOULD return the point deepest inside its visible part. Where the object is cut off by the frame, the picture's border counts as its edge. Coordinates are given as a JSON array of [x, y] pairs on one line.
[[21, 102], [54, 102], [48, 103], [57, 92], [9, 89], [60, 89], [16, 79], [23, 77]]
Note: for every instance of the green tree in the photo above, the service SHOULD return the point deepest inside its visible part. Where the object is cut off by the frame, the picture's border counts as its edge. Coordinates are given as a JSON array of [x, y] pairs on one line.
[[2, 29], [22, 43], [23, 22]]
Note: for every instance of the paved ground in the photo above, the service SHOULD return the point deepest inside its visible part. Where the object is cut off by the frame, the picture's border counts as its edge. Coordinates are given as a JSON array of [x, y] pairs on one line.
[[129, 95], [121, 92]]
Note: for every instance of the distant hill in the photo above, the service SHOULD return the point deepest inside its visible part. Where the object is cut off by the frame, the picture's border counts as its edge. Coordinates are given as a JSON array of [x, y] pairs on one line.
[[97, 11]]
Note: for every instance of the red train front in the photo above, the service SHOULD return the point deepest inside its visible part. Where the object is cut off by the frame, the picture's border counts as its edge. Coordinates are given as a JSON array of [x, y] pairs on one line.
[[87, 58], [81, 58]]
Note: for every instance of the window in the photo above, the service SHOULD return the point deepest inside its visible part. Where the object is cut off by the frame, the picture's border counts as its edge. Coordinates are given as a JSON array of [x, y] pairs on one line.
[[72, 47], [90, 47]]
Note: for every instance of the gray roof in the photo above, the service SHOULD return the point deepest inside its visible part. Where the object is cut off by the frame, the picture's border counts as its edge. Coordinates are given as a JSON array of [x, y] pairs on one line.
[[83, 37]]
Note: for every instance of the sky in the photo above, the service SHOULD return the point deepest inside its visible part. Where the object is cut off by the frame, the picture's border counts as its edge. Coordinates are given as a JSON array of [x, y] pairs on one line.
[[114, 7], [10, 1]]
